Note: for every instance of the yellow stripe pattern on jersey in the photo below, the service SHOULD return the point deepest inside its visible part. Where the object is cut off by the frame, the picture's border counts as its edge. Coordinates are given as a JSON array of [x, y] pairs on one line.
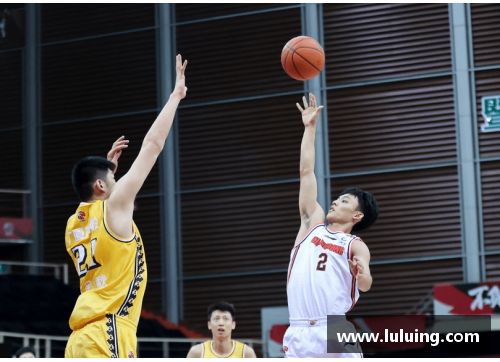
[[238, 350], [112, 270]]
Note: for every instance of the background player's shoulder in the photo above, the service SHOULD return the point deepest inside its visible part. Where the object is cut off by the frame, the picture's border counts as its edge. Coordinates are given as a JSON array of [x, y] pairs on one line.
[[195, 351]]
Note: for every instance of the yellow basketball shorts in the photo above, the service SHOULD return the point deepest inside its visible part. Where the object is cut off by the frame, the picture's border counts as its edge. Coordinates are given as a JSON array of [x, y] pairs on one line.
[[108, 337]]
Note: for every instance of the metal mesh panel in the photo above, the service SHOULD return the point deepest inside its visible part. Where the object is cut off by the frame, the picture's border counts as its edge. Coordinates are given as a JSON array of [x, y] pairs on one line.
[[70, 21], [90, 138], [100, 76], [11, 89]]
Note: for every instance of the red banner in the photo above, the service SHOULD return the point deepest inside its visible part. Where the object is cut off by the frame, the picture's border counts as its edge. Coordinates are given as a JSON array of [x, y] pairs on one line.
[[467, 299], [16, 229]]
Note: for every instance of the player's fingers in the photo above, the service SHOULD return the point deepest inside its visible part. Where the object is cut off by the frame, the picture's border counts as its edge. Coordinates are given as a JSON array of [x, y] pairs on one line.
[[351, 264], [312, 100], [299, 107], [319, 109], [119, 139], [305, 102], [184, 66]]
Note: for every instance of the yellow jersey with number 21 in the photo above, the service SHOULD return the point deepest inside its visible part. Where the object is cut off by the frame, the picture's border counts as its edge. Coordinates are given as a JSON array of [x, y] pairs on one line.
[[112, 270]]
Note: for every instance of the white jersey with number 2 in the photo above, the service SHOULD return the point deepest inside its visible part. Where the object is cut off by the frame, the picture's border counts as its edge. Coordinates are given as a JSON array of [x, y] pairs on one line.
[[319, 281]]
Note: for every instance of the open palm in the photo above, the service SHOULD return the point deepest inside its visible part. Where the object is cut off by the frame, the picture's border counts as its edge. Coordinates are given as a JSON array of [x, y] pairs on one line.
[[310, 113]]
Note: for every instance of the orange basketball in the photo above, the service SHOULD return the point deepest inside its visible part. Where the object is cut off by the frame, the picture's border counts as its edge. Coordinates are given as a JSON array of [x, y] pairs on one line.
[[303, 58]]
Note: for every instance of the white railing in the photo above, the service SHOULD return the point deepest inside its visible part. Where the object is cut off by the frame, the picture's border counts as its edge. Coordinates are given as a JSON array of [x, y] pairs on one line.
[[57, 267], [164, 341]]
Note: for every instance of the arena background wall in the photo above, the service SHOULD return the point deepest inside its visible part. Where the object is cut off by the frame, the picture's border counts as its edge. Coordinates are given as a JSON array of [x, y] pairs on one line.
[[395, 125]]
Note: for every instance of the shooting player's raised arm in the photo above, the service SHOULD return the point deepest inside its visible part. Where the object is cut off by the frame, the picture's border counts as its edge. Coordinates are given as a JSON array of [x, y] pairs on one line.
[[311, 212]]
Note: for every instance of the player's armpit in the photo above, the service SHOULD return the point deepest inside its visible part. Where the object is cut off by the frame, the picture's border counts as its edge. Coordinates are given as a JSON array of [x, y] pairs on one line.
[[195, 352]]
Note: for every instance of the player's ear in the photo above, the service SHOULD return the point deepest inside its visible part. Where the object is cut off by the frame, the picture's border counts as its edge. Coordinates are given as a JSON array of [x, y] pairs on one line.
[[234, 325], [208, 324], [357, 217], [99, 187]]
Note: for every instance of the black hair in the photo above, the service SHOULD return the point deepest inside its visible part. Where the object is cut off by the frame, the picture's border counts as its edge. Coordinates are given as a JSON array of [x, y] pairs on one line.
[[86, 172], [367, 205], [223, 307], [24, 350]]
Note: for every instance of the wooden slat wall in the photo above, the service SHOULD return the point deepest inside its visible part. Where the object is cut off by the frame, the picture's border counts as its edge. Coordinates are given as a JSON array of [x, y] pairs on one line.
[[492, 267], [97, 77], [398, 288], [240, 230], [250, 228], [391, 125], [248, 294], [235, 57], [487, 84], [189, 12], [490, 185], [419, 213], [374, 41], [485, 33], [242, 142]]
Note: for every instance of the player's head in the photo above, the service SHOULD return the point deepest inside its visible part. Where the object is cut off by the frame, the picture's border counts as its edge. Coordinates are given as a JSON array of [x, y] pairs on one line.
[[221, 319], [93, 175], [26, 352], [356, 206]]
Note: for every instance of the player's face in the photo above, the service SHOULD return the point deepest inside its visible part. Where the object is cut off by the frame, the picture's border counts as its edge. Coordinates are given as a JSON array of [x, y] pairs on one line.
[[343, 210], [221, 324]]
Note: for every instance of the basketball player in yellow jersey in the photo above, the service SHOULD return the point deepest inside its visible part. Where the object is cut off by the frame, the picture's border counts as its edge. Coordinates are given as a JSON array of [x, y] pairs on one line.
[[221, 323], [106, 246]]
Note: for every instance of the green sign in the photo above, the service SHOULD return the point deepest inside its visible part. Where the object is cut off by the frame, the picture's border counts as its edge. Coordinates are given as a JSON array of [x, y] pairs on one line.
[[491, 113], [4, 269]]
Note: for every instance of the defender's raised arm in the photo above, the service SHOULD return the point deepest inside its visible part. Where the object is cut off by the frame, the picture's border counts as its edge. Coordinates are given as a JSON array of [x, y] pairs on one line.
[[121, 201]]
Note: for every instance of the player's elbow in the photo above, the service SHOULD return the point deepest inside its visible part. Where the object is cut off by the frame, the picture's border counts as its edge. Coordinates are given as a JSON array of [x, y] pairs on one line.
[[365, 285], [306, 170], [153, 145]]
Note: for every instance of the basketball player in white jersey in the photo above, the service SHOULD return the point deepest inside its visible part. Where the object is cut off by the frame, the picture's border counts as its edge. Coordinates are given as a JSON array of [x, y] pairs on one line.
[[328, 264]]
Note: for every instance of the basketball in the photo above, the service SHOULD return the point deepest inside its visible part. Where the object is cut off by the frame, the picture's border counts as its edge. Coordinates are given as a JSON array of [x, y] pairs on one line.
[[303, 58]]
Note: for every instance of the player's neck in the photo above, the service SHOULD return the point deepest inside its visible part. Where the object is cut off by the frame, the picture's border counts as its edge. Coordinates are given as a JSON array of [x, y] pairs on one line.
[[345, 228], [102, 197], [222, 346]]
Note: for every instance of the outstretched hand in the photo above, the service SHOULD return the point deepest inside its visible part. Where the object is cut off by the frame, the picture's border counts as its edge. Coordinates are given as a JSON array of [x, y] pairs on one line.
[[310, 113], [116, 151], [180, 79]]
